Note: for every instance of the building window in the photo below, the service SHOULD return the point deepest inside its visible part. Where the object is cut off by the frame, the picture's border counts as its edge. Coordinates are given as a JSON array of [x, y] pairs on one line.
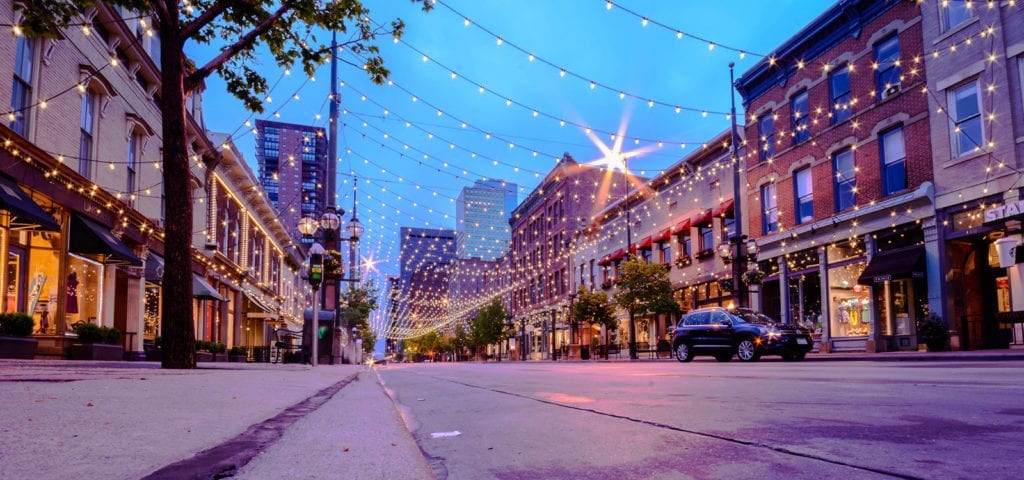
[[728, 227], [803, 185], [769, 209], [766, 137], [685, 246], [707, 237], [131, 166], [965, 114], [845, 179], [894, 162], [954, 12], [666, 251], [839, 89], [21, 87], [645, 255], [87, 126], [801, 120], [887, 67]]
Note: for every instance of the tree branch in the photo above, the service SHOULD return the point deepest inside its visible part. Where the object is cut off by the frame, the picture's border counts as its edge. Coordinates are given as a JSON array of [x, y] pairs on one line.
[[161, 10], [208, 16], [247, 40]]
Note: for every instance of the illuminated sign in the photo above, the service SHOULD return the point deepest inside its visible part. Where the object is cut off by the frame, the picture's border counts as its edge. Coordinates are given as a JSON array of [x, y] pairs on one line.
[[1007, 210]]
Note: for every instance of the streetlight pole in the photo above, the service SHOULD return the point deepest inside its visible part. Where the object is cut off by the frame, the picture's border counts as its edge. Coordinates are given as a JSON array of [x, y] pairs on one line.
[[316, 253], [629, 248], [739, 256]]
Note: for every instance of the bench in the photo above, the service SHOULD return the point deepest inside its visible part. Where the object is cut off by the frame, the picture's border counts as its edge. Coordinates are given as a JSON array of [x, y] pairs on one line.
[[283, 340]]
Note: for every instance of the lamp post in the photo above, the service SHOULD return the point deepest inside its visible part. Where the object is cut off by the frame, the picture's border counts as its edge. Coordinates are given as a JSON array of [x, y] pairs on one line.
[[629, 249], [316, 252], [738, 287], [738, 251]]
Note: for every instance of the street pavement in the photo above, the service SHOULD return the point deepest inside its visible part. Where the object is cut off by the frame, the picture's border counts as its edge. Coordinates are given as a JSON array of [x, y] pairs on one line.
[[112, 420]]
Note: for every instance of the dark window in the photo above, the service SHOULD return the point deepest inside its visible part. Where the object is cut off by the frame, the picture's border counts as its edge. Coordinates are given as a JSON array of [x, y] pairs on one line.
[[801, 118], [666, 251], [803, 185], [954, 12], [845, 179], [766, 137], [707, 237], [965, 113], [769, 209], [686, 244], [21, 88], [894, 162], [839, 88], [887, 67], [86, 125]]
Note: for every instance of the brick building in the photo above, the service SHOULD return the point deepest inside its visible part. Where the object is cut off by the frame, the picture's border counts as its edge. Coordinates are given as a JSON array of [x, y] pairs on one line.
[[839, 177], [293, 170]]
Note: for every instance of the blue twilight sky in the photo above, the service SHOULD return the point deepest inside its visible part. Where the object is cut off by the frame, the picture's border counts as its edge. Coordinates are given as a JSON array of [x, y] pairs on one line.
[[412, 162]]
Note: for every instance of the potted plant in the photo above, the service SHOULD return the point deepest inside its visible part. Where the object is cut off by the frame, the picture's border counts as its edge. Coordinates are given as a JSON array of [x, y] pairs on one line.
[[16, 336], [97, 343], [932, 331], [203, 352], [237, 354], [753, 277], [682, 261], [725, 283]]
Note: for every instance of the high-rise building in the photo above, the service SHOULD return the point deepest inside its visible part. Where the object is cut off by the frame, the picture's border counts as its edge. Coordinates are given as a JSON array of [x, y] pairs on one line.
[[482, 214], [293, 169], [426, 256]]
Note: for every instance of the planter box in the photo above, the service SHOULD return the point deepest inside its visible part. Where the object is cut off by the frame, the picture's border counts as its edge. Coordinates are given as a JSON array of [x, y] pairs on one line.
[[18, 347], [238, 358], [96, 351], [205, 357]]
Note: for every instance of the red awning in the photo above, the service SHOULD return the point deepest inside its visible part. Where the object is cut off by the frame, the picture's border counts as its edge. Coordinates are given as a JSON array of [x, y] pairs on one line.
[[724, 208], [607, 259], [664, 235], [645, 243], [619, 254], [702, 217], [682, 228]]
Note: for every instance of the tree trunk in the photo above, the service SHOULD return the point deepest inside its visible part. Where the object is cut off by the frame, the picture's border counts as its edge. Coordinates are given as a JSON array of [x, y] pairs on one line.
[[178, 330]]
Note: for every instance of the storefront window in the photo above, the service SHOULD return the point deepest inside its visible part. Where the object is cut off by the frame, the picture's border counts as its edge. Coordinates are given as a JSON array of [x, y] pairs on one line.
[[37, 279], [152, 312], [15, 262], [845, 250], [849, 302], [82, 296]]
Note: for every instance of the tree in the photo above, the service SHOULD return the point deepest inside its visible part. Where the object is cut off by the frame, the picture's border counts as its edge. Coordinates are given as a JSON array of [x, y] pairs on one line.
[[643, 288], [359, 301], [488, 326], [593, 308], [287, 28]]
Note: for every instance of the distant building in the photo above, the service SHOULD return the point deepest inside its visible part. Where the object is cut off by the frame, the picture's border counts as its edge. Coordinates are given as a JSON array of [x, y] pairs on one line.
[[482, 214], [293, 169], [426, 256]]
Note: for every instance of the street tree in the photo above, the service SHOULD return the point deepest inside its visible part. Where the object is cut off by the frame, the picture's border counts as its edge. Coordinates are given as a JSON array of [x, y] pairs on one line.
[[287, 29], [359, 301], [488, 325], [593, 308], [643, 288]]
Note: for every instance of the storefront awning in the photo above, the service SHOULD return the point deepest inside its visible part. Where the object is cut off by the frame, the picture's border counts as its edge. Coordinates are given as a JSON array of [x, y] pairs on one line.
[[664, 235], [89, 237], [645, 244], [902, 263], [724, 208], [257, 302], [605, 260], [203, 290], [25, 213], [154, 268], [682, 228], [618, 255], [702, 217]]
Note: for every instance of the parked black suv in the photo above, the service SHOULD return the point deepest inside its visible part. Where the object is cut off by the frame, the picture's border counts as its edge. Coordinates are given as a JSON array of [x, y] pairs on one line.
[[721, 333]]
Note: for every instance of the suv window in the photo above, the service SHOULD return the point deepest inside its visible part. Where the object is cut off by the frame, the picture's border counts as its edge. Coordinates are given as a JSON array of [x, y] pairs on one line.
[[696, 318], [719, 318]]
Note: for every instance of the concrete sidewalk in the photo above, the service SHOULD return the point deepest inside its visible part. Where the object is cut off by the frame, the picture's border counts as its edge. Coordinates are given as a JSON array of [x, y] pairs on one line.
[[113, 420]]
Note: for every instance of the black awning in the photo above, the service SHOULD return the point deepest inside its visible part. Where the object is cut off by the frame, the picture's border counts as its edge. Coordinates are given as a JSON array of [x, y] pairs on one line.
[[154, 268], [25, 213], [203, 290], [891, 265], [90, 237]]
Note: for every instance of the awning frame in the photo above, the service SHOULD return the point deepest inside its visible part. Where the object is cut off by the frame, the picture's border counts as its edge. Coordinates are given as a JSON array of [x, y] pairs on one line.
[[25, 213], [90, 237]]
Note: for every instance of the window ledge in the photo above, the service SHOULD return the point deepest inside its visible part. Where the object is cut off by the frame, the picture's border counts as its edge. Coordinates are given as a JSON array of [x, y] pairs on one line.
[[953, 31], [964, 158]]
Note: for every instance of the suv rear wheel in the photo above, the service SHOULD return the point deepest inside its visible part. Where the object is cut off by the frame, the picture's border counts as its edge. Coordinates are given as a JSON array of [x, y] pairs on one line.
[[683, 352], [746, 350]]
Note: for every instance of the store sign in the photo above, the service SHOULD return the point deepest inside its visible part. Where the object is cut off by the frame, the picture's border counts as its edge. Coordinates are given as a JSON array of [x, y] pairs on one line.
[[1007, 210]]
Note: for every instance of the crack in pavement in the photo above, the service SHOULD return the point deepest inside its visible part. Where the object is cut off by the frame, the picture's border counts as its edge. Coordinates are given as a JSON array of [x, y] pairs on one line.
[[739, 441], [224, 460]]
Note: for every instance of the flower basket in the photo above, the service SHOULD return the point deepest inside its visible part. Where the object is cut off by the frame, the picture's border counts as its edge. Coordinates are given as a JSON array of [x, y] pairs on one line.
[[683, 261], [753, 277], [332, 264], [725, 283]]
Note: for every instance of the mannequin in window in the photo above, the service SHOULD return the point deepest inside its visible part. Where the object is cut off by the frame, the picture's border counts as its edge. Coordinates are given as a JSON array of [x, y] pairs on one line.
[[72, 293], [44, 319]]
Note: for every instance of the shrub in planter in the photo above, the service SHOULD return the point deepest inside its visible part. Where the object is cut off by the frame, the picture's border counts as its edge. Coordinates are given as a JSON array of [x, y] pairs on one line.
[[931, 329], [237, 354], [97, 343], [15, 332]]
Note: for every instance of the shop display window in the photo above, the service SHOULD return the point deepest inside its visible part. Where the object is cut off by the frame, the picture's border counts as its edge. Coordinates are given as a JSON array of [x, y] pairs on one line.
[[13, 291], [849, 302], [151, 315], [39, 277], [83, 299]]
